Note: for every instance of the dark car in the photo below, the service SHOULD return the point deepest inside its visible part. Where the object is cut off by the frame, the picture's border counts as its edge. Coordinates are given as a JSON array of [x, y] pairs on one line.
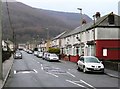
[[17, 55]]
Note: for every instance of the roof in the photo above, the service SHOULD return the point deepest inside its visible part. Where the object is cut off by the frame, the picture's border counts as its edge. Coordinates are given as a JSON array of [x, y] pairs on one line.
[[101, 22], [58, 36], [78, 29]]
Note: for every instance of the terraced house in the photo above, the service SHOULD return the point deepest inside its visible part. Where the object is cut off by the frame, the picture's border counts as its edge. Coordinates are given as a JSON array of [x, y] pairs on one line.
[[99, 38]]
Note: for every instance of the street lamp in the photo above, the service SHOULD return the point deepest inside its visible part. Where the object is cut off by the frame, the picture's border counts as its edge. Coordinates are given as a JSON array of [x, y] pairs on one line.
[[94, 33], [81, 15], [80, 28]]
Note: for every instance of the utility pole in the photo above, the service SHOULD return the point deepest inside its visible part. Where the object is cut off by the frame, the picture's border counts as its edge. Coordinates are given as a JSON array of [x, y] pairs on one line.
[[1, 41], [94, 36], [79, 38], [81, 16]]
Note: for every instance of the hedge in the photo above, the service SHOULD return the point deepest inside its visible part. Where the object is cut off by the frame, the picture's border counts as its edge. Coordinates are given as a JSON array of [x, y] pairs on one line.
[[54, 50]]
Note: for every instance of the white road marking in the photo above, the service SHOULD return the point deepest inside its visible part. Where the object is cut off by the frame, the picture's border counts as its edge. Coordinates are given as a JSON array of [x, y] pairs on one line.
[[24, 72], [15, 72], [41, 66], [71, 74], [75, 83], [87, 84], [69, 69], [38, 62], [52, 74], [35, 71]]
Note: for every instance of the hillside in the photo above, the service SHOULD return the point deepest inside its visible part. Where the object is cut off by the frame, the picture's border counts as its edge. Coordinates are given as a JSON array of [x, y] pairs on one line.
[[30, 23]]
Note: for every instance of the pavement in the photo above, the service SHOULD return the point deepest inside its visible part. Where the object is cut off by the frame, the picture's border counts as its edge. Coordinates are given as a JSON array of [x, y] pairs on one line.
[[7, 65]]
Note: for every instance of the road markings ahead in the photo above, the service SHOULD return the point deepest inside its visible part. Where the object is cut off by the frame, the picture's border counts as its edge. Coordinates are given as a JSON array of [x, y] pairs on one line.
[[52, 74], [35, 71], [41, 66], [75, 83], [15, 72], [71, 74], [87, 84], [84, 84]]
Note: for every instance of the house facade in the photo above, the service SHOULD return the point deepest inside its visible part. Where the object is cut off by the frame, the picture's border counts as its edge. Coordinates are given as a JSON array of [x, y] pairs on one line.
[[98, 38]]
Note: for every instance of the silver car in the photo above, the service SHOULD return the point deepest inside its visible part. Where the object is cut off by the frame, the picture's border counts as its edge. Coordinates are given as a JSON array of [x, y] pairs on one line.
[[90, 63], [40, 54], [17, 55], [52, 57]]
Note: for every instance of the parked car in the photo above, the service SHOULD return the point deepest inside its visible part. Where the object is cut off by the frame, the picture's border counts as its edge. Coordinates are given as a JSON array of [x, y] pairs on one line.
[[17, 55], [45, 54], [35, 53], [40, 54], [30, 51], [90, 63], [52, 57]]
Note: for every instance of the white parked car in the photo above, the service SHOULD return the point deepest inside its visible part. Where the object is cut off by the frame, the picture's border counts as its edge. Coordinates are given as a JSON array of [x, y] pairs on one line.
[[40, 54], [30, 51], [52, 57], [35, 53], [90, 63]]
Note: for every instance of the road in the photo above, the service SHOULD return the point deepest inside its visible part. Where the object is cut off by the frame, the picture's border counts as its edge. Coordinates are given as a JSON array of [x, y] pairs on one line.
[[36, 72]]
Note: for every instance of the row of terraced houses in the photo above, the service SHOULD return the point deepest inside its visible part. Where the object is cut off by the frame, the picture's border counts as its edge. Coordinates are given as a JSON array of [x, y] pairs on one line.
[[98, 38]]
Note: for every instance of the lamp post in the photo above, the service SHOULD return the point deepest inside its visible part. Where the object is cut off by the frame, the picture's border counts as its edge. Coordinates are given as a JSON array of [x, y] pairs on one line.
[[81, 16], [48, 39], [1, 71], [94, 34]]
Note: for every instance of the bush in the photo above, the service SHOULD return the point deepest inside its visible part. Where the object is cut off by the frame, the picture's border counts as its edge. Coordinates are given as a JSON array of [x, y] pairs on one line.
[[54, 50]]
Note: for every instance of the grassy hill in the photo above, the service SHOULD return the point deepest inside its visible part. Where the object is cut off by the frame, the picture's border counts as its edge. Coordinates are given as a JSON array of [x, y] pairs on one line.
[[29, 23]]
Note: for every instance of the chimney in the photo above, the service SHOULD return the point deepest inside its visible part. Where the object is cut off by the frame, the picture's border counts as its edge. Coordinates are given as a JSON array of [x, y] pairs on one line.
[[84, 21], [97, 15], [111, 19]]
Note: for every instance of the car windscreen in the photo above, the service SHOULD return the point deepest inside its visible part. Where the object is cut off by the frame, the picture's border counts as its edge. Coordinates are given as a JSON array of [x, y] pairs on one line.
[[91, 60], [18, 53], [53, 55]]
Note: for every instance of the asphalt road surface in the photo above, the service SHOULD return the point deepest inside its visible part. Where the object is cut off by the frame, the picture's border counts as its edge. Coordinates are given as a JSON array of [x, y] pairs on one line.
[[36, 72]]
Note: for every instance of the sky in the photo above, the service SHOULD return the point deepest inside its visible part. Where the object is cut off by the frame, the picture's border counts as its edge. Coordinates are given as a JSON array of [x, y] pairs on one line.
[[89, 7]]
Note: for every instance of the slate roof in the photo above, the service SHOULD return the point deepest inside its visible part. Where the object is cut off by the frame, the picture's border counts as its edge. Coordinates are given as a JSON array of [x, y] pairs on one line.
[[101, 22], [58, 36]]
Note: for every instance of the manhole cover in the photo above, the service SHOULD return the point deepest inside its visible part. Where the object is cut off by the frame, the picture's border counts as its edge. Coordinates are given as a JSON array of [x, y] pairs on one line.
[[24, 71]]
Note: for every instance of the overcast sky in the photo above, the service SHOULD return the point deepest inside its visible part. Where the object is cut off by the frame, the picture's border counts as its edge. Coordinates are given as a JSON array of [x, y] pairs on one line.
[[89, 7]]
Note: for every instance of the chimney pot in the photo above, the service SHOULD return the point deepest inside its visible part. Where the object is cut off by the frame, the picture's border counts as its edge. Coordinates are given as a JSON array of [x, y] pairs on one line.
[[97, 15]]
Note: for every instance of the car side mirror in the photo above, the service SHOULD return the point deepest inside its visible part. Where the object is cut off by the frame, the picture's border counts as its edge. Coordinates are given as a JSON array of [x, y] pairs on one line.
[[101, 62]]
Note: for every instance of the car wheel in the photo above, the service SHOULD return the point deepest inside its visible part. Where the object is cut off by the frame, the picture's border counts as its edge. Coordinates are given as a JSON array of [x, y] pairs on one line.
[[84, 70], [78, 68]]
